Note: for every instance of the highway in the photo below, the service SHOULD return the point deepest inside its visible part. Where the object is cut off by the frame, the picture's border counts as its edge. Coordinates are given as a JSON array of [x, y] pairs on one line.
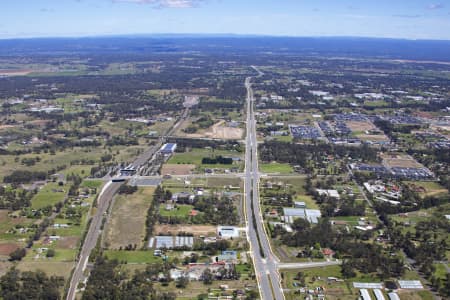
[[267, 265], [265, 262], [103, 201]]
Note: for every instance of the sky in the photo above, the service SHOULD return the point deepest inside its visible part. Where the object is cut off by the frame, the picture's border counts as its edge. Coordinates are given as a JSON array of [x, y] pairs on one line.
[[411, 19]]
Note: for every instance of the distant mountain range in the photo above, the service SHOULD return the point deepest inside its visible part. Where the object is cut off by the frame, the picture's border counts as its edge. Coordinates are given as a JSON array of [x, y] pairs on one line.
[[425, 50]]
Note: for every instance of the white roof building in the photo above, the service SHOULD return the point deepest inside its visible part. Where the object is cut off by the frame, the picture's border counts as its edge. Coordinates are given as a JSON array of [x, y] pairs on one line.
[[410, 284], [329, 193], [228, 232], [365, 294], [393, 296], [378, 294]]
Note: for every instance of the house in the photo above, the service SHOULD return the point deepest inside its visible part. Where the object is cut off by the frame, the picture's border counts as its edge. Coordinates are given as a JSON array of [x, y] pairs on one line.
[[327, 252], [181, 197], [329, 193], [273, 213], [229, 256]]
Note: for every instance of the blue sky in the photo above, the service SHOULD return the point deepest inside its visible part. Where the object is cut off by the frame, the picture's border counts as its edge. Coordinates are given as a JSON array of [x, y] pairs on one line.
[[413, 19]]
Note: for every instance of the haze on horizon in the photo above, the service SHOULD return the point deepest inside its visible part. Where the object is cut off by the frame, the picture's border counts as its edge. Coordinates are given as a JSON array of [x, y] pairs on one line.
[[414, 19]]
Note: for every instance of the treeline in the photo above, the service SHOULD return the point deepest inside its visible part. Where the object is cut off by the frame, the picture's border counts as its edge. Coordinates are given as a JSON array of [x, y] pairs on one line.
[[217, 160], [25, 176], [106, 282], [16, 285], [301, 154], [358, 254], [15, 199], [183, 143]]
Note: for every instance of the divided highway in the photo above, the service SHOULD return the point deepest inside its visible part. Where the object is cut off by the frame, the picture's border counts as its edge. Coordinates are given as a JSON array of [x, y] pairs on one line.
[[265, 262]]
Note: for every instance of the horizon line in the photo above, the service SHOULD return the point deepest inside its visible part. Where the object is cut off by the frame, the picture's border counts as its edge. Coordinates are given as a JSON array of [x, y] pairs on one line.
[[218, 35]]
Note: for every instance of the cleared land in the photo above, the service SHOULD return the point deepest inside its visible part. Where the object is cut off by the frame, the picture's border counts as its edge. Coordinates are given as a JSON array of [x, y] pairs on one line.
[[196, 230], [177, 169], [401, 161], [356, 126], [127, 222]]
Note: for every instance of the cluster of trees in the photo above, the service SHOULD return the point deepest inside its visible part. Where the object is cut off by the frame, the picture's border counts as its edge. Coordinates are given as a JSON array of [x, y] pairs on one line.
[[216, 211], [314, 154], [358, 254], [15, 199], [127, 189], [106, 282], [16, 285], [24, 176], [159, 196], [217, 160], [183, 144]]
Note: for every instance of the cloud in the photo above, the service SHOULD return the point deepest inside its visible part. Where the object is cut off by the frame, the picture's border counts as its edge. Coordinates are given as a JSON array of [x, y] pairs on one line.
[[435, 6], [407, 16], [164, 3]]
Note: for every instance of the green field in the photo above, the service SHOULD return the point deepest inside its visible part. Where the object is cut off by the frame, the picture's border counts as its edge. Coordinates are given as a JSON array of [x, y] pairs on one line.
[[92, 184], [137, 257], [181, 211], [50, 194], [196, 155], [276, 168]]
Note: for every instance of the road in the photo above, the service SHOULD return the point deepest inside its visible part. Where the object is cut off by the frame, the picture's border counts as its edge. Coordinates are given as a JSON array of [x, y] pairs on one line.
[[92, 235], [265, 262], [103, 202]]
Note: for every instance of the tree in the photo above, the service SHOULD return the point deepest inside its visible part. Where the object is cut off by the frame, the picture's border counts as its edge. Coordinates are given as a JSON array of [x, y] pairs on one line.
[[347, 269], [17, 254], [50, 253], [182, 282], [207, 276]]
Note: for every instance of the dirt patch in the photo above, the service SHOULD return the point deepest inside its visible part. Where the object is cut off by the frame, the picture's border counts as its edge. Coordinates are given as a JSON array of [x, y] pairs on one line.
[[360, 126], [401, 161], [4, 267], [51, 268], [7, 248], [177, 169], [68, 242], [373, 137], [196, 230], [127, 222], [219, 131]]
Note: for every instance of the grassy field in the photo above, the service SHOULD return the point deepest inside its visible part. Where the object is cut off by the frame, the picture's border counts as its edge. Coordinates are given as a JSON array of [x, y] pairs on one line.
[[50, 194], [51, 269], [431, 188], [92, 184], [196, 155], [181, 211], [276, 168], [136, 257], [127, 222]]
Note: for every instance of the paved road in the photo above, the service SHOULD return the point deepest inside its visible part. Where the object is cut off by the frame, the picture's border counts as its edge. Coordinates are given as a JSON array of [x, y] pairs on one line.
[[90, 241], [265, 262]]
